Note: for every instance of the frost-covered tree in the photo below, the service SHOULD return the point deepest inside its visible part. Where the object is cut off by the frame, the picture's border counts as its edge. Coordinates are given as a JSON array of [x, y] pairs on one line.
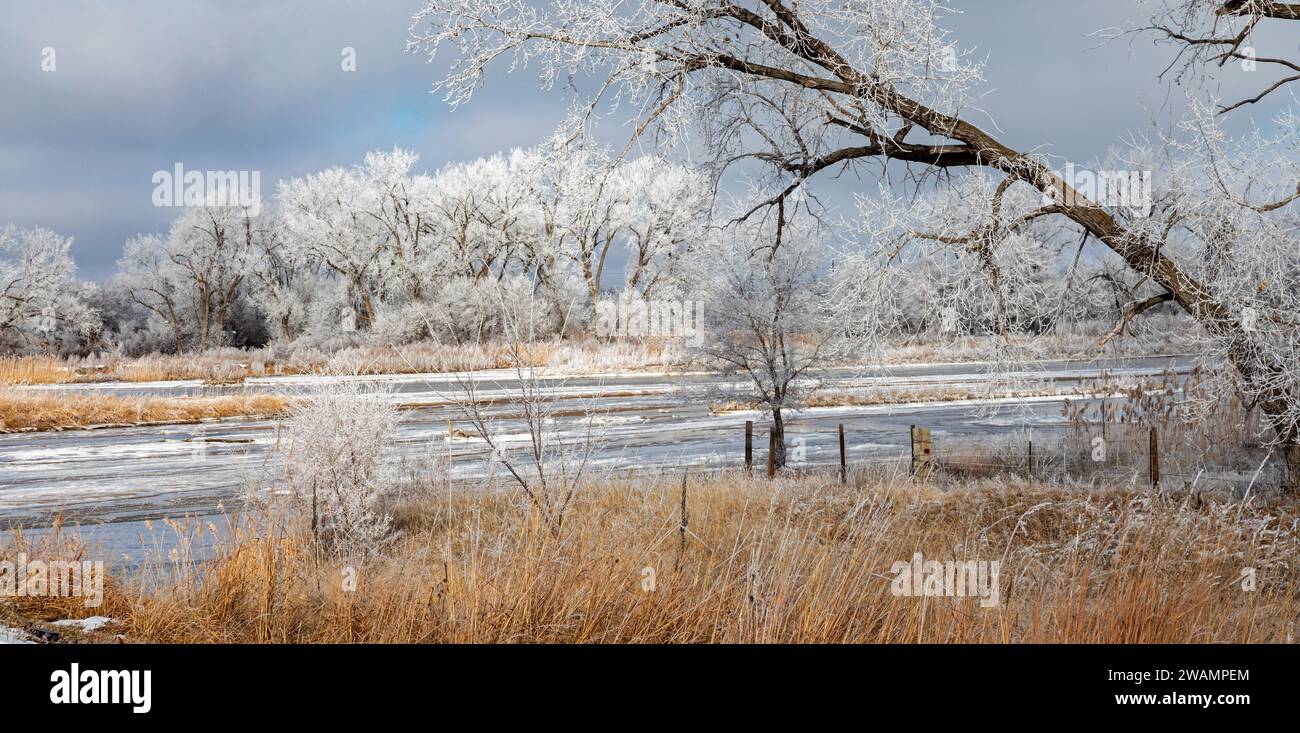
[[647, 210], [147, 274], [282, 280], [192, 279], [322, 220], [766, 317], [595, 209], [394, 209], [42, 305], [669, 213], [485, 211]]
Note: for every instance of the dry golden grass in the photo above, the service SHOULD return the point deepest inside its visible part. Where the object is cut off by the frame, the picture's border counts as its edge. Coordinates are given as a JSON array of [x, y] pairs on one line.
[[223, 366], [787, 561], [219, 366], [34, 370], [22, 410]]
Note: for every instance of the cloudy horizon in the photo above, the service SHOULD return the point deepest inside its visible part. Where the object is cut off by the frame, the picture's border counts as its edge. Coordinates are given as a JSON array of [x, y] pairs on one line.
[[260, 86]]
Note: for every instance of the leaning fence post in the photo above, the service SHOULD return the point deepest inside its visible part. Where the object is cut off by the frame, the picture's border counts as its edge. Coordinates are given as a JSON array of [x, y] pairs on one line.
[[749, 445], [1155, 459], [844, 473]]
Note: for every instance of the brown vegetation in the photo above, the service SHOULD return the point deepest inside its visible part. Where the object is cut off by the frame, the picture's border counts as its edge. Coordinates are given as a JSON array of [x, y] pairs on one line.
[[24, 410], [786, 561]]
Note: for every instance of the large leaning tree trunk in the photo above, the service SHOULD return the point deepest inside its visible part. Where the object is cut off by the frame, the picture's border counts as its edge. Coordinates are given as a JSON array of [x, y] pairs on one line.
[[806, 87], [1212, 37]]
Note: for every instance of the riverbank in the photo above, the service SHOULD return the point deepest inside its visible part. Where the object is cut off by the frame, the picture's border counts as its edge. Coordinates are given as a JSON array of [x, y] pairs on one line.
[[735, 559], [1163, 335]]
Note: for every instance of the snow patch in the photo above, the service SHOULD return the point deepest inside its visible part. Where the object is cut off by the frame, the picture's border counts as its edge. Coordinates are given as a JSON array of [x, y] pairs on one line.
[[10, 635], [87, 625]]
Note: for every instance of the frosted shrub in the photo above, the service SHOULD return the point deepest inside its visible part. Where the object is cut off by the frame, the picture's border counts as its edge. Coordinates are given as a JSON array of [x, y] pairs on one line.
[[404, 324], [334, 466]]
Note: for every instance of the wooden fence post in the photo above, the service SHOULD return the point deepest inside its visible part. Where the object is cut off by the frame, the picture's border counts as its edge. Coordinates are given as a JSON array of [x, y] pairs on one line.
[[749, 445], [1031, 457], [922, 449], [1155, 459], [844, 471]]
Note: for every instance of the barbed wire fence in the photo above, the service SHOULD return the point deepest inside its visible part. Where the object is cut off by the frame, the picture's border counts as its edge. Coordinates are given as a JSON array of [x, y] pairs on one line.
[[1220, 450]]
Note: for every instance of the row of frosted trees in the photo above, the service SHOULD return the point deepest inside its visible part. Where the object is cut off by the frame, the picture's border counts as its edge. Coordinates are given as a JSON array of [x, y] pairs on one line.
[[375, 251], [380, 251]]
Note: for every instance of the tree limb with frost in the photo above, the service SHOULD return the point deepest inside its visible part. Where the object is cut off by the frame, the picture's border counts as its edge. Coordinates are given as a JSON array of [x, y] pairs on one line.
[[1213, 36]]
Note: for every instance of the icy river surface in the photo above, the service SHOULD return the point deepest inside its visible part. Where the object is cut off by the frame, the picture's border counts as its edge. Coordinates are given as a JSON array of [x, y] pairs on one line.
[[115, 478]]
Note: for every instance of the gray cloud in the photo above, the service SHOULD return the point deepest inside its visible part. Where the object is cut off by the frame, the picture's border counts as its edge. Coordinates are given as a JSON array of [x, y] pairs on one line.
[[258, 86]]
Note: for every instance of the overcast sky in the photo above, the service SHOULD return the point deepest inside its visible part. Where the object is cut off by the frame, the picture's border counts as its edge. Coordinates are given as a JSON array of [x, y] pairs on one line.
[[257, 85]]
